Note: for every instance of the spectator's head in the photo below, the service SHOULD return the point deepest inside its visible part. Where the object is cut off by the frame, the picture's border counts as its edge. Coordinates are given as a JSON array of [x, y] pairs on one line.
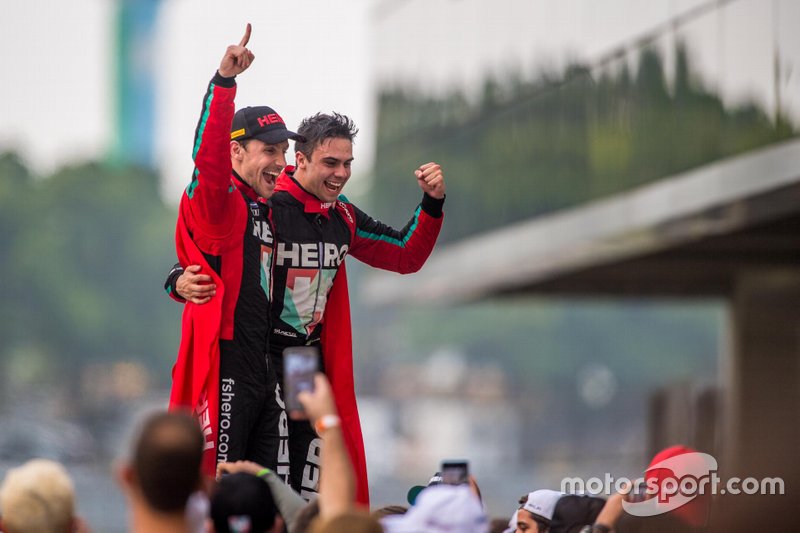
[[574, 511], [324, 156], [442, 508], [164, 469], [414, 491], [37, 497], [552, 511], [243, 503], [536, 511]]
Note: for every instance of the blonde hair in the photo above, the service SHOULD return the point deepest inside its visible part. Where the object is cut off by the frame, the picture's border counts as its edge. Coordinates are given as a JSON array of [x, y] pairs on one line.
[[37, 497]]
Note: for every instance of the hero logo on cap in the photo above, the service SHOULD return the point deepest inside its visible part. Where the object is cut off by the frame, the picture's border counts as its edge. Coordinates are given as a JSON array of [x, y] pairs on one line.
[[261, 123], [272, 118]]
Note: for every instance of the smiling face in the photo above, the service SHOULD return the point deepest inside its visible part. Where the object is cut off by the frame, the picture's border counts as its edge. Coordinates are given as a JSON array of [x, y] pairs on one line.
[[259, 163], [326, 171]]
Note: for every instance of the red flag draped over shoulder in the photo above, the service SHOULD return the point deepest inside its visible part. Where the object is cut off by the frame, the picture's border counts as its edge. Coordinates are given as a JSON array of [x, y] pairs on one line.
[[337, 350], [195, 376]]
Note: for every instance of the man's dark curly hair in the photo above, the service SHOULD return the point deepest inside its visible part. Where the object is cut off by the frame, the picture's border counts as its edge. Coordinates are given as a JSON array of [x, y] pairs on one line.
[[315, 129]]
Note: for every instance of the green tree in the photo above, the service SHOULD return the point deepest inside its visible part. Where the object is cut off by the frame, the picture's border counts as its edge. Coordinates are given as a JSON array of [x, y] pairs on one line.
[[529, 148], [84, 257]]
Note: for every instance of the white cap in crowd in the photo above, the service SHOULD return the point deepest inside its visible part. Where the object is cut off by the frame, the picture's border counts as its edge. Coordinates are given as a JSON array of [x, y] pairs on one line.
[[543, 502], [441, 508]]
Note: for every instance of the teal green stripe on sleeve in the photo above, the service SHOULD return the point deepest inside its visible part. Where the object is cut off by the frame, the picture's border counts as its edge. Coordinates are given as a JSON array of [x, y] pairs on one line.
[[383, 238], [391, 240], [203, 119], [198, 141], [193, 185]]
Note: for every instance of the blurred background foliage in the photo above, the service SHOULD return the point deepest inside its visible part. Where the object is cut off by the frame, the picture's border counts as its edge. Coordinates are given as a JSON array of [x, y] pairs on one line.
[[84, 255], [527, 148]]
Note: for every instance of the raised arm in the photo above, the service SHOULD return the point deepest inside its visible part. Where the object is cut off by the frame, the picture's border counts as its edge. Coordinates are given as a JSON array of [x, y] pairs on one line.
[[406, 250], [211, 195]]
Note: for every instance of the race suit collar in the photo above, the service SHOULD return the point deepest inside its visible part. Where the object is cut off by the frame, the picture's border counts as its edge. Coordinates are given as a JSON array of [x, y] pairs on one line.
[[311, 204], [246, 189]]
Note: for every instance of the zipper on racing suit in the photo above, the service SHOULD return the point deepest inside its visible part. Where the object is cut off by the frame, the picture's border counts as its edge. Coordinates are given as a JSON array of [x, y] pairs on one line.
[[318, 220]]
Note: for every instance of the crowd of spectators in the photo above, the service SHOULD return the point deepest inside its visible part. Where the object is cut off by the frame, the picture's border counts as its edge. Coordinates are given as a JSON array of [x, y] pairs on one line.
[[166, 492]]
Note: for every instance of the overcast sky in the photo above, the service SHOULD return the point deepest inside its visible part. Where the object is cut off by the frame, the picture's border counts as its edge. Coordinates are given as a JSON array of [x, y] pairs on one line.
[[322, 55]]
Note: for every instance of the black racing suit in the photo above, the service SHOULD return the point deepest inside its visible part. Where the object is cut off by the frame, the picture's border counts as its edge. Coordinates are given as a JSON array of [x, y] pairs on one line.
[[312, 240], [232, 228]]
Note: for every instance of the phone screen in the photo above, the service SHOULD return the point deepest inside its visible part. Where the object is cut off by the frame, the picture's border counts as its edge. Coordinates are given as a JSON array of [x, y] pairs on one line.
[[300, 363], [455, 472]]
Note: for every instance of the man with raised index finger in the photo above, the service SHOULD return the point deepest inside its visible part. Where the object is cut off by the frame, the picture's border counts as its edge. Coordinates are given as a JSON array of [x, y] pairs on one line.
[[223, 372]]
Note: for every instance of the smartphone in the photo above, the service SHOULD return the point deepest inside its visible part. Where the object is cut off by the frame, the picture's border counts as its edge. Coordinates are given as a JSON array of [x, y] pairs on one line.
[[455, 472], [300, 363]]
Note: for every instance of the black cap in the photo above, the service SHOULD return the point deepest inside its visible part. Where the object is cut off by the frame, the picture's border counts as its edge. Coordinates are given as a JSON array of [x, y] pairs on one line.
[[242, 502], [261, 123]]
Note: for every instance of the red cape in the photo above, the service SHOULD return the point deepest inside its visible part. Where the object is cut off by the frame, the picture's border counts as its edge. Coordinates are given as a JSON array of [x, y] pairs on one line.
[[337, 353], [195, 376], [337, 350]]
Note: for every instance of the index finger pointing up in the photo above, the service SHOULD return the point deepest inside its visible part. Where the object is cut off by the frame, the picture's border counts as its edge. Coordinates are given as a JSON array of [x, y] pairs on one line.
[[246, 37]]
